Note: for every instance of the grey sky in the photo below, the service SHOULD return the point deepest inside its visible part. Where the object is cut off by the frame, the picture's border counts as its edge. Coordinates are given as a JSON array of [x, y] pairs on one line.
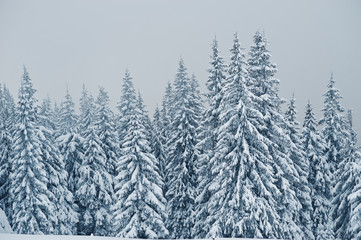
[[93, 42]]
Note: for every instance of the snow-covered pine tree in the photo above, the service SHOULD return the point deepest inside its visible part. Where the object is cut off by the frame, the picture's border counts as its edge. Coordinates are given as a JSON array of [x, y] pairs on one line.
[[318, 178], [68, 117], [32, 209], [145, 117], [301, 163], [94, 188], [346, 202], [105, 127], [242, 193], [124, 107], [207, 140], [139, 203], [69, 142], [264, 86], [166, 117], [181, 177], [333, 123], [7, 118], [57, 176], [157, 143], [87, 112]]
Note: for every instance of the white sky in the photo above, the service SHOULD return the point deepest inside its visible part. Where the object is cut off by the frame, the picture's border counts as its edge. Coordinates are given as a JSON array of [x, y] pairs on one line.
[[93, 42]]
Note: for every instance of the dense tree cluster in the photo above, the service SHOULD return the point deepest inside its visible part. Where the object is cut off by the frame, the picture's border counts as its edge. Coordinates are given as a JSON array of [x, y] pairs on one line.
[[229, 163]]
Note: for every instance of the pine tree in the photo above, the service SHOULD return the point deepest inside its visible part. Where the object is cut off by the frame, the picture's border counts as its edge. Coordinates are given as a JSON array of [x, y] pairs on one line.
[[157, 144], [242, 201], [181, 185], [57, 176], [94, 189], [87, 112], [264, 86], [69, 142], [345, 204], [7, 117], [139, 206], [68, 118], [333, 131], [208, 138], [301, 163], [105, 126], [125, 104], [32, 209], [319, 176]]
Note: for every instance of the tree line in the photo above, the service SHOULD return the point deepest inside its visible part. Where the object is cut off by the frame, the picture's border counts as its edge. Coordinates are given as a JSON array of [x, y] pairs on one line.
[[228, 163]]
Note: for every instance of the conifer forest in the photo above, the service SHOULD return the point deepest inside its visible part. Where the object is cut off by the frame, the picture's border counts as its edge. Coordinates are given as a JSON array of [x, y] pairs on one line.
[[231, 162]]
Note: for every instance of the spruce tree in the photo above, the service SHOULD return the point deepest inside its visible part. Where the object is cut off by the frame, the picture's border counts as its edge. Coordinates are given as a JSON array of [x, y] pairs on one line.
[[94, 189], [242, 201], [62, 198], [181, 185], [157, 143], [333, 123], [69, 142], [301, 163], [319, 178], [105, 127], [32, 209], [208, 138], [345, 204], [139, 203], [264, 85], [68, 117], [7, 118]]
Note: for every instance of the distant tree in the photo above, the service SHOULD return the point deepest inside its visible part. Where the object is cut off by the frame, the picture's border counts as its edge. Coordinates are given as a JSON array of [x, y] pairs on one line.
[[347, 200], [7, 122], [319, 177], [208, 139], [242, 201], [68, 117], [139, 203], [105, 128], [298, 156], [93, 187], [264, 85], [333, 123], [54, 165], [181, 184], [32, 209]]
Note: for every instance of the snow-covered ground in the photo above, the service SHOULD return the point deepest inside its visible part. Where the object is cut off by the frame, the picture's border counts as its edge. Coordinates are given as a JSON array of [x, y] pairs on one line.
[[63, 237], [4, 224]]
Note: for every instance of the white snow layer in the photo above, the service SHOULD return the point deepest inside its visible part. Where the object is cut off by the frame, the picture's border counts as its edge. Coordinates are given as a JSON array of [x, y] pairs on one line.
[[4, 236], [4, 224]]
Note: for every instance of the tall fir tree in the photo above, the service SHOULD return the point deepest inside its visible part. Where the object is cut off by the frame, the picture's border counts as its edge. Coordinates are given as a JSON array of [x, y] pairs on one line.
[[346, 202], [157, 143], [301, 163], [181, 185], [105, 126], [319, 178], [69, 142], [7, 121], [139, 203], [94, 188], [124, 106], [61, 197], [333, 131], [242, 201], [208, 138], [264, 85], [68, 117], [32, 209]]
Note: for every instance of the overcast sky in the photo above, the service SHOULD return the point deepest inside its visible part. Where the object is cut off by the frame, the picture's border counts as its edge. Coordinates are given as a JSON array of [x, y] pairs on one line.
[[75, 42]]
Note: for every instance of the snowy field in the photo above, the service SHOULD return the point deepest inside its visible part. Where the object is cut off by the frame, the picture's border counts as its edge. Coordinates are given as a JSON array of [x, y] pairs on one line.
[[63, 237]]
